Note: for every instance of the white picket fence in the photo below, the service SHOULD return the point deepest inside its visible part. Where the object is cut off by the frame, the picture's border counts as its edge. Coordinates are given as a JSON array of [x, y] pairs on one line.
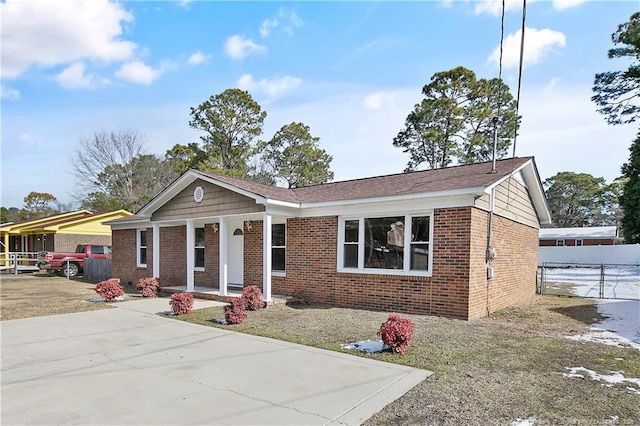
[[624, 254]]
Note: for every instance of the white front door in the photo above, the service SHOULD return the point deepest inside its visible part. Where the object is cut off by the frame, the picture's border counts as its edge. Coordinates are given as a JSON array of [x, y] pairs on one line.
[[236, 256]]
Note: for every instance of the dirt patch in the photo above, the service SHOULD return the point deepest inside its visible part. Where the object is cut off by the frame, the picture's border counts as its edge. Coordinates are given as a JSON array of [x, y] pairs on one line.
[[491, 371]]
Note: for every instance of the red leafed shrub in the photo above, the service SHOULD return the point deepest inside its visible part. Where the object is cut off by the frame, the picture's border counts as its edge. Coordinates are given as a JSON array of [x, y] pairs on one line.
[[397, 333], [109, 289], [234, 312], [252, 296], [181, 303], [148, 287]]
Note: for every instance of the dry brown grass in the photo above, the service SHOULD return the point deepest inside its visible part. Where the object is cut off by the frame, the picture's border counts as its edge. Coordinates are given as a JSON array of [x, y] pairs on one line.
[[37, 295]]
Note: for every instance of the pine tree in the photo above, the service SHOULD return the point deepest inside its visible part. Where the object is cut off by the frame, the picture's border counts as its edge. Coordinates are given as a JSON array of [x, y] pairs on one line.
[[630, 198]]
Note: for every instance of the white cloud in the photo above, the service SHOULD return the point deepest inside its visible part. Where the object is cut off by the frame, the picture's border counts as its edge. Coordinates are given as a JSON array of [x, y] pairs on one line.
[[292, 20], [494, 7], [267, 26], [537, 44], [381, 100], [272, 88], [238, 47], [138, 72], [198, 58], [47, 33], [9, 93], [566, 4], [75, 77]]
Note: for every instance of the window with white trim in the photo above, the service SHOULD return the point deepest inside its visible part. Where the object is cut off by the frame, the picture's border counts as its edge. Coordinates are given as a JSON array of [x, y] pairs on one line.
[[141, 248], [560, 243], [199, 249], [386, 244], [278, 247], [579, 243]]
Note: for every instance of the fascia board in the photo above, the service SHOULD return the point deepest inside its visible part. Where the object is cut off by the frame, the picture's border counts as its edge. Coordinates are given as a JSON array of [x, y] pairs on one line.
[[272, 202], [536, 191], [130, 224], [405, 206], [397, 198], [168, 193]]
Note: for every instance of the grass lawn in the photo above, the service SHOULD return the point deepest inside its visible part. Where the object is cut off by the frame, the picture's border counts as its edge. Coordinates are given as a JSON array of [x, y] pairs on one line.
[[487, 372], [491, 371]]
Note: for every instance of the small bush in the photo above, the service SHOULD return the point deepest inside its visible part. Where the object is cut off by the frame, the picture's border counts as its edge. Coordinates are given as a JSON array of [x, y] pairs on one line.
[[235, 311], [109, 289], [148, 287], [252, 296], [181, 303], [396, 333]]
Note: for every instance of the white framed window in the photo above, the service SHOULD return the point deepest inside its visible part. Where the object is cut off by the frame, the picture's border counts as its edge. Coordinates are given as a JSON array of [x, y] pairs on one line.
[[278, 247], [393, 244], [141, 248], [560, 243], [199, 249], [579, 243]]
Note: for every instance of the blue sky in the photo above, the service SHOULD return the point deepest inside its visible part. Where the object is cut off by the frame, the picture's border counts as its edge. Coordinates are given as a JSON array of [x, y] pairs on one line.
[[352, 71]]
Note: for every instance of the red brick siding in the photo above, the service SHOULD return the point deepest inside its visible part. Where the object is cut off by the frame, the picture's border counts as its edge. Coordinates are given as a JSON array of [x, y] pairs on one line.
[[210, 276], [253, 254], [173, 255], [514, 270], [124, 257]]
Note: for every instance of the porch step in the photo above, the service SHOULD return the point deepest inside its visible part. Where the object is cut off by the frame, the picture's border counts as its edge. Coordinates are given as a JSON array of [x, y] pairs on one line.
[[212, 295]]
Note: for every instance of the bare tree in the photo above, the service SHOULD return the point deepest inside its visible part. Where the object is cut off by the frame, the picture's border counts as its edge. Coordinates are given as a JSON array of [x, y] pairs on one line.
[[109, 153]]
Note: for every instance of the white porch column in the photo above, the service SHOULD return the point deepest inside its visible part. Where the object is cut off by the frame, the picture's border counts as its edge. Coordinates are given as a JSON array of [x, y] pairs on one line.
[[191, 257], [266, 257], [156, 250], [223, 249]]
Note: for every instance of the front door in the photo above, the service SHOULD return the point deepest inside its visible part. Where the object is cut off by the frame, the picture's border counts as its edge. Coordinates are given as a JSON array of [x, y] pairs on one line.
[[236, 257]]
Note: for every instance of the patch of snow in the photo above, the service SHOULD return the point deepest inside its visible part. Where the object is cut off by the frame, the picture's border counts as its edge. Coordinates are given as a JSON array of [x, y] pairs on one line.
[[524, 422], [221, 321], [633, 391], [621, 326], [611, 379], [365, 346], [612, 420], [619, 282]]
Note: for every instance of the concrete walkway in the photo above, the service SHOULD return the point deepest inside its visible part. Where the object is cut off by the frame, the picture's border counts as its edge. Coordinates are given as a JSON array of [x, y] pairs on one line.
[[131, 366]]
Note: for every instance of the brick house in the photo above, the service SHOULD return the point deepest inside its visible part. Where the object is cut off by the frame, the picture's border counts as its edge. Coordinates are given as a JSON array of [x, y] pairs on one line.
[[580, 236], [458, 242]]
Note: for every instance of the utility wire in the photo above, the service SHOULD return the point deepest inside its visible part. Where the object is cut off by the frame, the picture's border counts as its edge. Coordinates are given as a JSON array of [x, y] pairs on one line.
[[524, 16]]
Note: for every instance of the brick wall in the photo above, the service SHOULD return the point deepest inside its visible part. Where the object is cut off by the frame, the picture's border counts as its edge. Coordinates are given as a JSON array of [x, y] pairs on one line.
[[124, 256], [210, 276], [173, 255], [253, 254], [514, 269], [68, 242]]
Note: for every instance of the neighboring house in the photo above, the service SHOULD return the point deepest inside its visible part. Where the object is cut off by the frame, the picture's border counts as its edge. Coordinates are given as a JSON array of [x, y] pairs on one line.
[[585, 236], [412, 242], [59, 232]]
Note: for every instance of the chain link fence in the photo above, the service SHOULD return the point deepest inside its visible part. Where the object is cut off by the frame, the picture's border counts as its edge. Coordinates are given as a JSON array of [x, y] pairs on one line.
[[603, 281]]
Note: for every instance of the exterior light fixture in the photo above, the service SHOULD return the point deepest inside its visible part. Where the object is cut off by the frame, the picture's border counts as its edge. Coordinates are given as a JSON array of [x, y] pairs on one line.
[[249, 225]]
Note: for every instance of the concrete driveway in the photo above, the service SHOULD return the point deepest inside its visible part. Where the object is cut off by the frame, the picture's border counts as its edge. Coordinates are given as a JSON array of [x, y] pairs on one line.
[[131, 366]]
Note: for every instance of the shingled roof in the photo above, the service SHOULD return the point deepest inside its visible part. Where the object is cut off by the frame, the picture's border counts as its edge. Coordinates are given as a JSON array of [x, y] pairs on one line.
[[439, 180]]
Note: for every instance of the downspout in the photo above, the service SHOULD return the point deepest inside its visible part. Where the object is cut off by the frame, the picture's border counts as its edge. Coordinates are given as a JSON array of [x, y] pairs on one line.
[[491, 252]]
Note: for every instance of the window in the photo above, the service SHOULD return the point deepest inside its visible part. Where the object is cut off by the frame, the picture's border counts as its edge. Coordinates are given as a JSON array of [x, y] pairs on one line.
[[350, 255], [420, 237], [560, 243], [142, 247], [371, 244], [199, 249], [278, 246], [579, 243]]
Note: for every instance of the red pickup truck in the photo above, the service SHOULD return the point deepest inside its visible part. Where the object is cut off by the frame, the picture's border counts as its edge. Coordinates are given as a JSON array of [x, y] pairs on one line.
[[71, 264]]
